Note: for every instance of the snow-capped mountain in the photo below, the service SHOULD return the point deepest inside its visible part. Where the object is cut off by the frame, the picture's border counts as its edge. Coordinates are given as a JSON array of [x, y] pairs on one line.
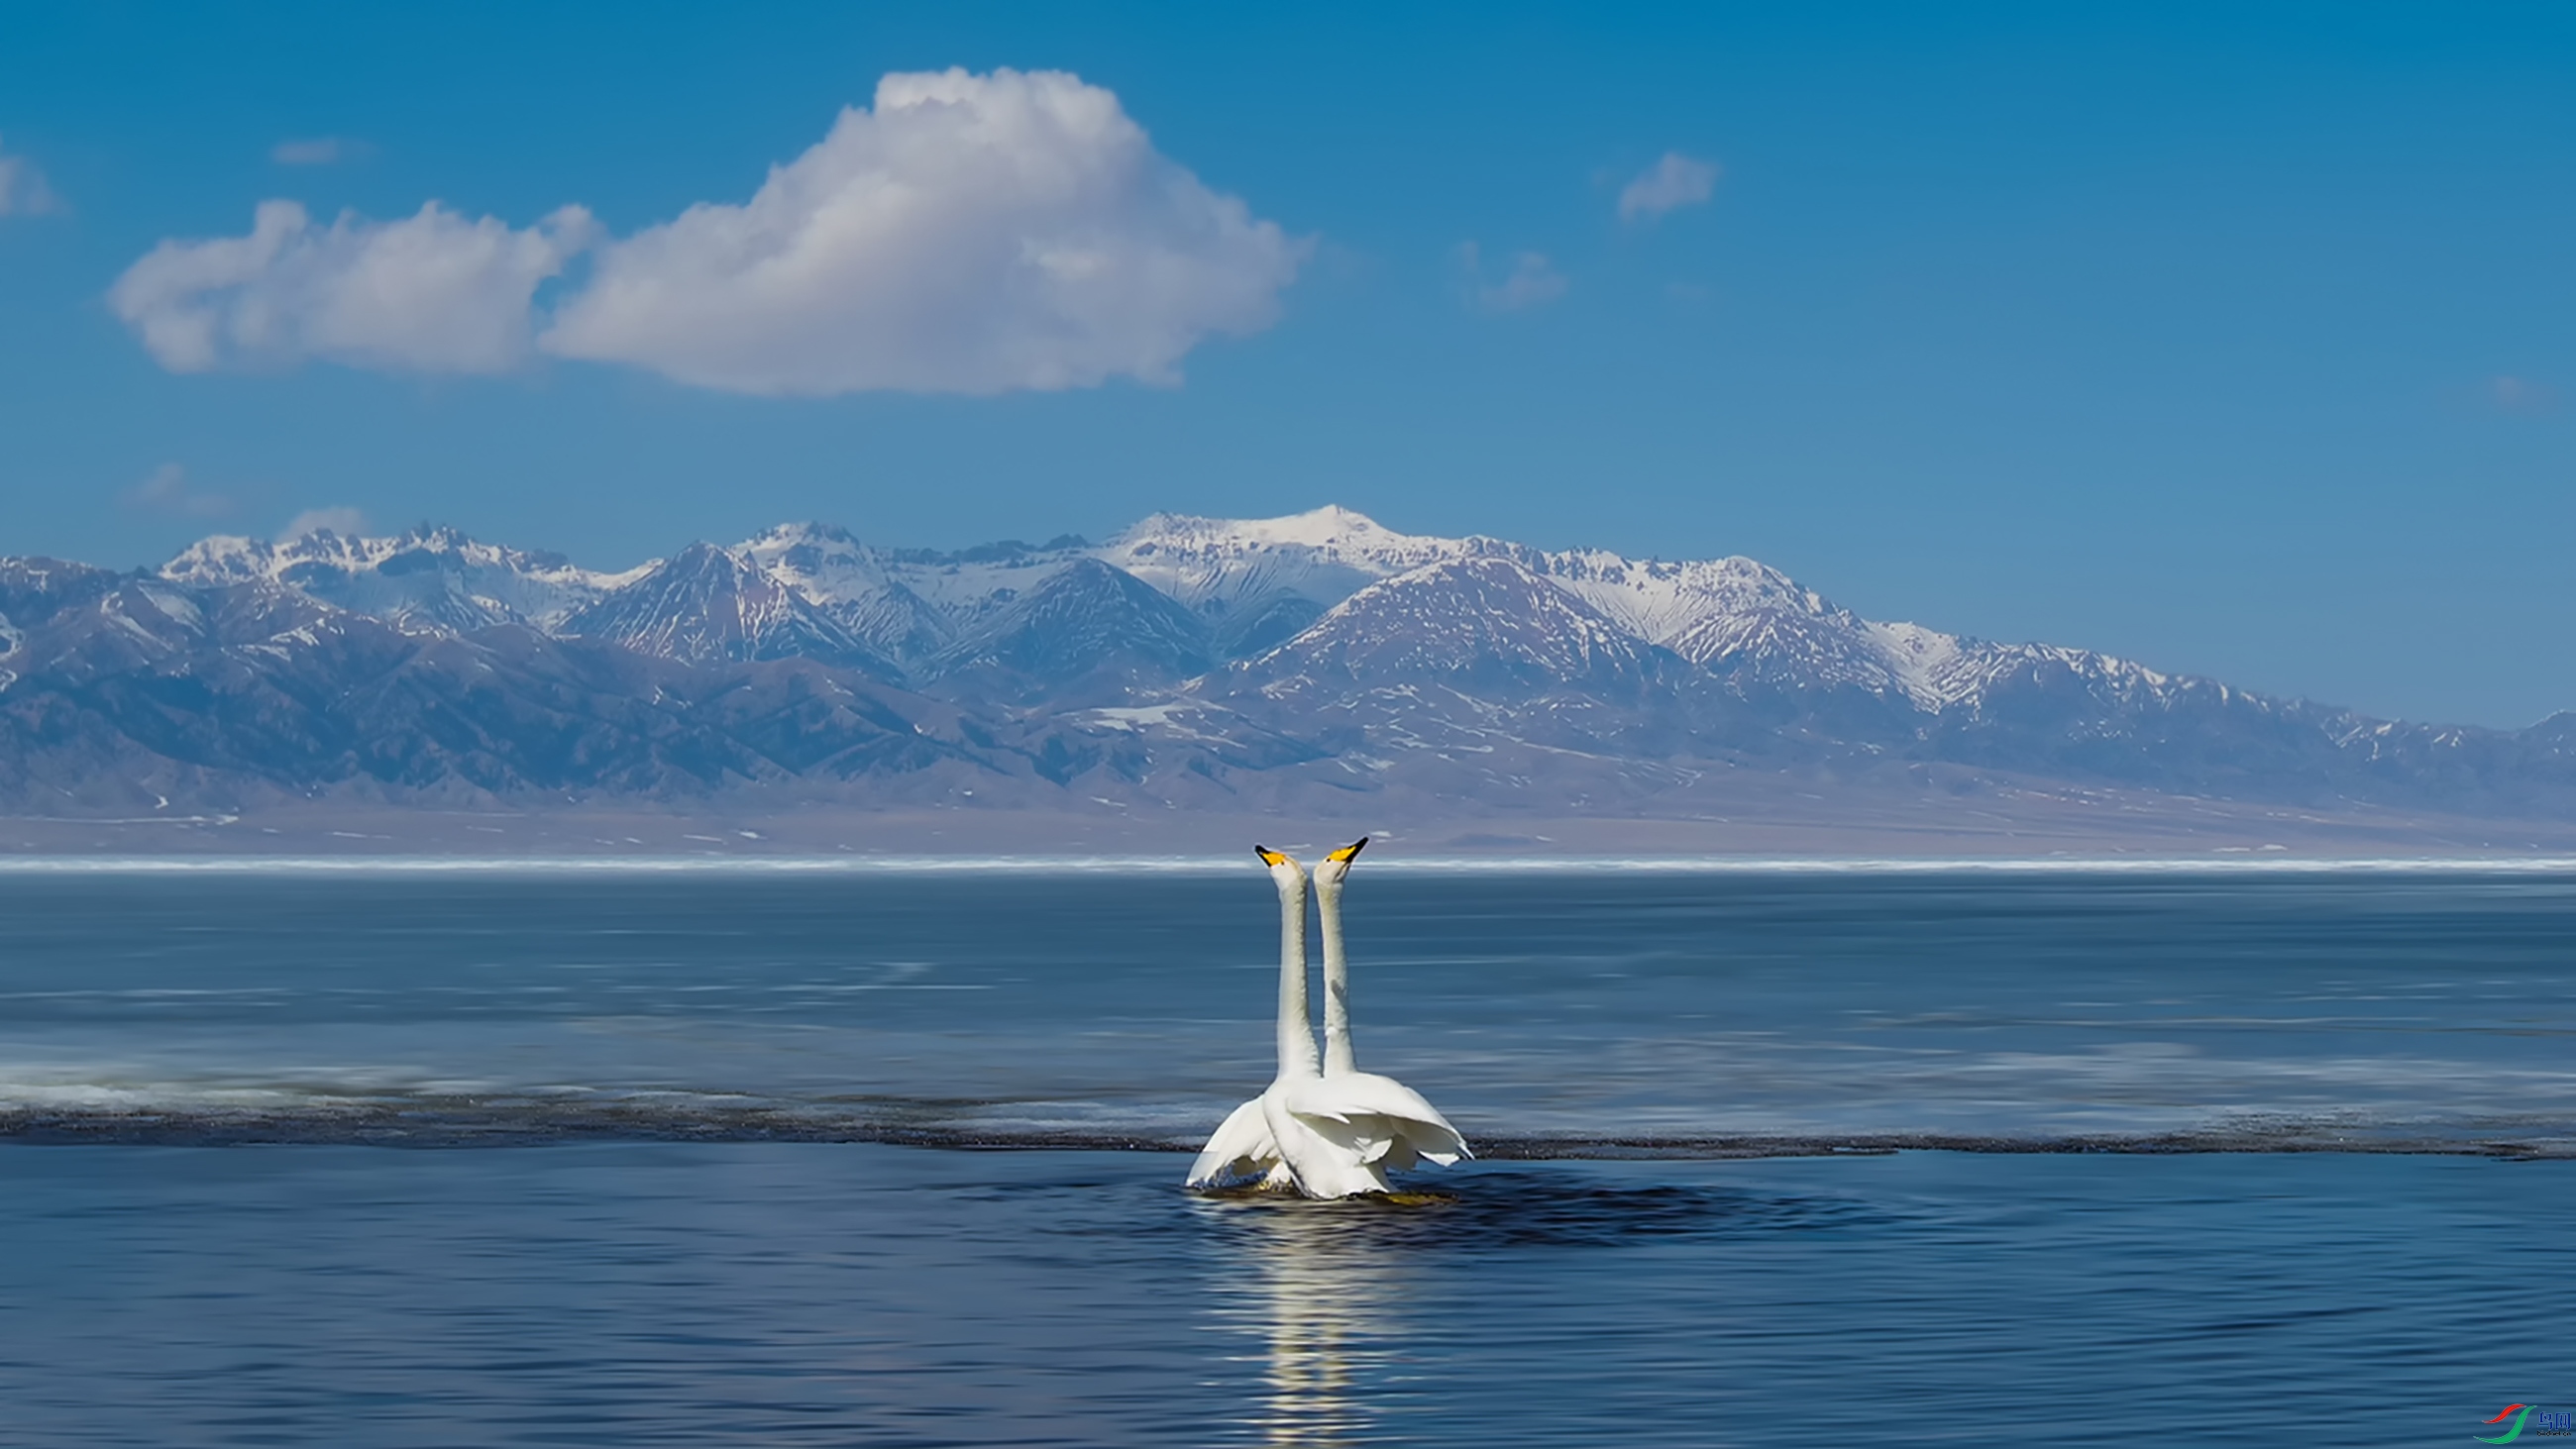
[[1325, 555], [1487, 623], [706, 604], [856, 585], [427, 578], [1252, 584], [1284, 663], [1087, 629]]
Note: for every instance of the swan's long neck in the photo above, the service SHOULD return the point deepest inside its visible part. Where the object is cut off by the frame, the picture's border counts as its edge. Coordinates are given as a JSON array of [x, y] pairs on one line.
[[1296, 1030], [1338, 1059]]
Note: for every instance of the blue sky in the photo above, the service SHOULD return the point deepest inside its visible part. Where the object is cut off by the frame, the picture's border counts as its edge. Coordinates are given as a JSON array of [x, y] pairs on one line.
[[2234, 340]]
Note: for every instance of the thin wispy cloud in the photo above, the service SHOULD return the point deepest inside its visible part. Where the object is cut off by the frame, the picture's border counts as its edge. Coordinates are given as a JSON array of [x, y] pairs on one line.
[[319, 151], [1530, 280], [23, 189], [967, 233], [346, 522], [2522, 396], [1673, 182], [169, 492]]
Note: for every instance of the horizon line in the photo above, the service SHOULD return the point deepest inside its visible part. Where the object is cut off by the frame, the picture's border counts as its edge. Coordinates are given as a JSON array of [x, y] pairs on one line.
[[2229, 862]]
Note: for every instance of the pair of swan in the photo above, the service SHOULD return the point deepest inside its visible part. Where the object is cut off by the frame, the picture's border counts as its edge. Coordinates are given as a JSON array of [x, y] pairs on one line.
[[1325, 1128]]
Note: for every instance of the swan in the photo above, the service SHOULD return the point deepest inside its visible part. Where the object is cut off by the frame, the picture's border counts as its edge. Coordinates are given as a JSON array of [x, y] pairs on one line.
[[1396, 1126], [1290, 1136], [1244, 1146]]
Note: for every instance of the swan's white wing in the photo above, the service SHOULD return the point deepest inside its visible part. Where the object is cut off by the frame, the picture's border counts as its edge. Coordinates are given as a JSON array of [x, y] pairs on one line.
[[1354, 1092], [1407, 1120], [1329, 1157], [1363, 1135], [1242, 1147]]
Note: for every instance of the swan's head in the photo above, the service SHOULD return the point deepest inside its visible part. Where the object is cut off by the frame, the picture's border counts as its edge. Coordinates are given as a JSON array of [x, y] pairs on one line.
[[1289, 875], [1330, 870]]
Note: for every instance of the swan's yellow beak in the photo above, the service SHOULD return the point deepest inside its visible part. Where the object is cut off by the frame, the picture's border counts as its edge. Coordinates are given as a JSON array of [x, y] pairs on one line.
[[1269, 856], [1348, 852]]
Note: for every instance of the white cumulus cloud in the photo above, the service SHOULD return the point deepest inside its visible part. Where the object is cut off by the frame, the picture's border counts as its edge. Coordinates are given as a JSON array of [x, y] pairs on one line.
[[1670, 184], [970, 233], [433, 292], [23, 191]]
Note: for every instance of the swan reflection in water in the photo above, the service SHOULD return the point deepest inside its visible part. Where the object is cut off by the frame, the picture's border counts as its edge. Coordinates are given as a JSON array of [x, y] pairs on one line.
[[1318, 1289]]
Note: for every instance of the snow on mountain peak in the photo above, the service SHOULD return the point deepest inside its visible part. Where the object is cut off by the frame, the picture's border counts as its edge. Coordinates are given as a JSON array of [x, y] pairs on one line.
[[433, 578], [709, 603], [224, 558], [1252, 583], [1222, 565], [1329, 527], [819, 557], [1461, 619], [856, 584]]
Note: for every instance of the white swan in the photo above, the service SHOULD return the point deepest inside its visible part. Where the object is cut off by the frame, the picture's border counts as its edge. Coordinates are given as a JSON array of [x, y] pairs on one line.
[[1393, 1124], [1287, 1136], [1244, 1146]]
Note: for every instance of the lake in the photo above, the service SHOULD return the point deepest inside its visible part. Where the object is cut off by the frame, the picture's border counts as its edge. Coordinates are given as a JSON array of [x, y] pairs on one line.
[[715, 1156]]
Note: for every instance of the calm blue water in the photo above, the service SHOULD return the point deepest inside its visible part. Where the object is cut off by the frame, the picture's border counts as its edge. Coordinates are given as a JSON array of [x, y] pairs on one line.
[[232, 1264]]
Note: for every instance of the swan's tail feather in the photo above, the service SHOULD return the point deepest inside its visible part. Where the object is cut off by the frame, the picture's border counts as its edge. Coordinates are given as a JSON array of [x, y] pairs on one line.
[[1242, 1147], [1330, 1157], [1380, 1117], [1364, 1137], [1337, 1176]]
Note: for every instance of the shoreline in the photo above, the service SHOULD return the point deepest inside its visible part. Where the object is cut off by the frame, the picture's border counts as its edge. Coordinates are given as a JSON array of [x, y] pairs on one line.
[[415, 1130], [2033, 833], [1210, 865]]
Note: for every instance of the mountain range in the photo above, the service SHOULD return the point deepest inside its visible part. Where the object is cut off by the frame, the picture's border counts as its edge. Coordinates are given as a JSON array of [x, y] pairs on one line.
[[1318, 665]]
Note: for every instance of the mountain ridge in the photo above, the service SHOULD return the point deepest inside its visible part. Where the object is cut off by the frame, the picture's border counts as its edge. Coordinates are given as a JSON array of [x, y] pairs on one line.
[[1318, 663]]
